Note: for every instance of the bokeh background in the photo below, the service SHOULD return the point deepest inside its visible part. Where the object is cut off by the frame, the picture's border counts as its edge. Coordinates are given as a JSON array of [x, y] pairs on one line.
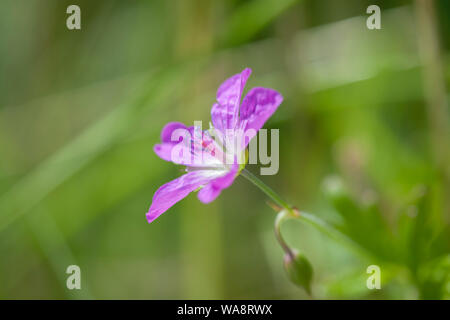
[[364, 144]]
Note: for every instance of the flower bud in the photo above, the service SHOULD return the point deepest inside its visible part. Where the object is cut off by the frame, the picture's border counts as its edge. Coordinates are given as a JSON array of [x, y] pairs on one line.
[[299, 269]]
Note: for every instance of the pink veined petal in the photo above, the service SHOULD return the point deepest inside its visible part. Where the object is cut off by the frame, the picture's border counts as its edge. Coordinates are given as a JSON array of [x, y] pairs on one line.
[[258, 105], [205, 150], [225, 113], [172, 192], [164, 149], [213, 189], [189, 155], [166, 132], [183, 147]]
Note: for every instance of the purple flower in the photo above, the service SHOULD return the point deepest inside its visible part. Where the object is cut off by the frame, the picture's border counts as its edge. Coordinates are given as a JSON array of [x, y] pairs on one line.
[[213, 164]]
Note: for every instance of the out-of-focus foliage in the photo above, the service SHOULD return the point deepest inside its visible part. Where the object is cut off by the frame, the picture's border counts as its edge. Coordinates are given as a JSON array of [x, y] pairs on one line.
[[81, 110]]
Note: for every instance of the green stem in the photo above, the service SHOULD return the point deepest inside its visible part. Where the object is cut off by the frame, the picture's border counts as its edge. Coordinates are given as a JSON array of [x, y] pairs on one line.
[[267, 190], [282, 215], [293, 213]]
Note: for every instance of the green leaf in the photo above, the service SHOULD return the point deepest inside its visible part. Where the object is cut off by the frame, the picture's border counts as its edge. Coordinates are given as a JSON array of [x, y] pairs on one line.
[[363, 223]]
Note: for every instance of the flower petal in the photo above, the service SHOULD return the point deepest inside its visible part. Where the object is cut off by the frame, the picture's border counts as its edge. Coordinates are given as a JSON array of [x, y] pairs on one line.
[[166, 132], [225, 113], [258, 106], [212, 190], [177, 152], [196, 154], [187, 146], [164, 149], [172, 192]]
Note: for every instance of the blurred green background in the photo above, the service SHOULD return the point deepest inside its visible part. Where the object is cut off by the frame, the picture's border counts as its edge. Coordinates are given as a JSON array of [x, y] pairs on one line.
[[364, 144]]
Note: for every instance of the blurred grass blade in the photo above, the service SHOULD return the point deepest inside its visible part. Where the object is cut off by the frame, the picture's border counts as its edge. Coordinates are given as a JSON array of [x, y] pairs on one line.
[[36, 185], [60, 256], [251, 17]]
